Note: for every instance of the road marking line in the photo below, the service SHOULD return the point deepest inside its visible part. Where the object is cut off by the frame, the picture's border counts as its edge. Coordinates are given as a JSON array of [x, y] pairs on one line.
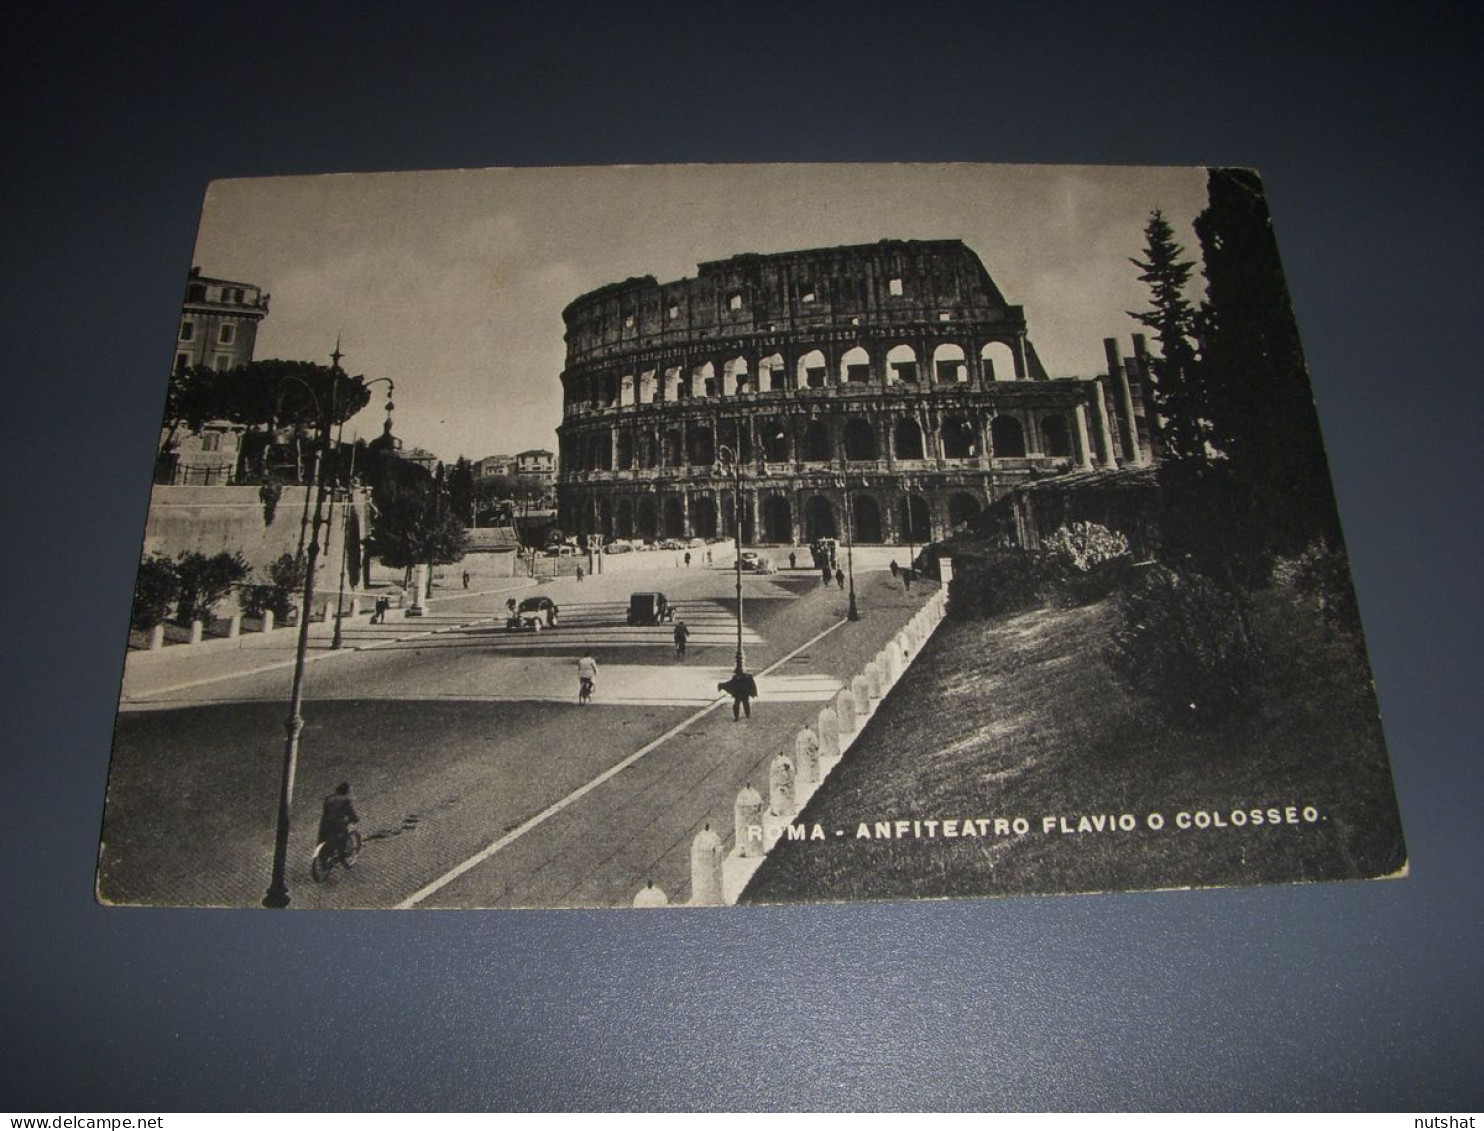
[[582, 791]]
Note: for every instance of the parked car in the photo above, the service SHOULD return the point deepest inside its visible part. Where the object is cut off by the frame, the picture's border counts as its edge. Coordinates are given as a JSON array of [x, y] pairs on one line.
[[533, 614], [649, 608], [618, 548], [762, 565], [750, 559]]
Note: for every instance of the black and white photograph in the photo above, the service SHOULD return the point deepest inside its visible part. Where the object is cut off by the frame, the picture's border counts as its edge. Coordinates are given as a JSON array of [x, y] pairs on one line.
[[710, 535]]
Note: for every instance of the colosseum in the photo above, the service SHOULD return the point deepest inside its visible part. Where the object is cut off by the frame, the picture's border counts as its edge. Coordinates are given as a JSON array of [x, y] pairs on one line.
[[885, 392]]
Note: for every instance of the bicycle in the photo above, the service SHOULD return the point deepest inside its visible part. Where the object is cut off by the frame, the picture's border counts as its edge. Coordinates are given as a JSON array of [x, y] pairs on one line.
[[327, 853]]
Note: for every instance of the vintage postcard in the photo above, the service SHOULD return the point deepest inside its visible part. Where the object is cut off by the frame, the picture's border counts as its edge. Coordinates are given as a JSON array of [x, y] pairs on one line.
[[705, 535]]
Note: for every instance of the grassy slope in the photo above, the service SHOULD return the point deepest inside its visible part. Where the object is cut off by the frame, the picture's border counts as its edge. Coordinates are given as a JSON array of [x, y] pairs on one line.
[[1020, 716]]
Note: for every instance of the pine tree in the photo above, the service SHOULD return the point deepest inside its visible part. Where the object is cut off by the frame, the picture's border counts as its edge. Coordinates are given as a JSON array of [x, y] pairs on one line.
[[1176, 392]]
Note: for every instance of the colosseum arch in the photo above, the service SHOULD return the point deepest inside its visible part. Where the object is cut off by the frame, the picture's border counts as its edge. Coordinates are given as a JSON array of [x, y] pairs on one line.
[[647, 383], [960, 438], [778, 520], [647, 522], [1056, 435], [949, 367], [773, 436], [916, 520], [625, 450], [812, 371], [817, 443], [702, 445], [908, 439], [1008, 437], [998, 361], [626, 389], [963, 509], [901, 364], [735, 377], [674, 512], [605, 517], [855, 367], [670, 383], [623, 519], [674, 448], [866, 515], [860, 439], [703, 517], [771, 375], [819, 519], [703, 380]]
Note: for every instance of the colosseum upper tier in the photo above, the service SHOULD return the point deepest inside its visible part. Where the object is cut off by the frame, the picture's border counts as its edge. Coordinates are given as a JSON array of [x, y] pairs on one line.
[[892, 379]]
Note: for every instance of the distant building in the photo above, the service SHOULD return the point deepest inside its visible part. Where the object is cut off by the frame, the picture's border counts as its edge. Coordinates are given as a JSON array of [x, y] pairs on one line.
[[218, 329], [491, 466], [540, 465], [218, 323]]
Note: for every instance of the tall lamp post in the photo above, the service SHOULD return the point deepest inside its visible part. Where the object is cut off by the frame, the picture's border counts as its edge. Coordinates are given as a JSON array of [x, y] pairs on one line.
[[336, 642], [854, 613], [730, 455], [278, 886]]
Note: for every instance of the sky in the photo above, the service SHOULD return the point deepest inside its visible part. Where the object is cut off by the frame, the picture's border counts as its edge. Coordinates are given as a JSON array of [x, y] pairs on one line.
[[453, 283]]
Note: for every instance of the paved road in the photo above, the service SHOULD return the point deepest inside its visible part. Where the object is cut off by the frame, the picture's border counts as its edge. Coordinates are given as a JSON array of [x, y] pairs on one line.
[[479, 780]]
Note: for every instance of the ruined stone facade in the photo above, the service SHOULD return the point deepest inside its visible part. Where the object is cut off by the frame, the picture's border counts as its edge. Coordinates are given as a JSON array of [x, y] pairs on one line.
[[894, 375]]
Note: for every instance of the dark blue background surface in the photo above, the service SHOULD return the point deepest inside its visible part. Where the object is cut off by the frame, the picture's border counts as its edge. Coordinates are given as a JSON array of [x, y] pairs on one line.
[[1366, 123]]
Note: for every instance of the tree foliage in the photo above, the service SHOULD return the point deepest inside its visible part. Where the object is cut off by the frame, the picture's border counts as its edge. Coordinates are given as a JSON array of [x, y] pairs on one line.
[[155, 589], [413, 524], [1176, 390], [204, 581], [285, 581], [1260, 402]]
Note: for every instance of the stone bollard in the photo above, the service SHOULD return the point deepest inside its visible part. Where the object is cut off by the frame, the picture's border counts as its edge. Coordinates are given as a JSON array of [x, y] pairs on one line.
[[749, 823], [903, 646], [873, 679], [886, 660], [157, 638], [267, 620], [829, 733], [234, 626], [705, 869], [651, 896], [860, 691], [781, 787], [196, 630], [806, 756], [355, 611], [845, 711]]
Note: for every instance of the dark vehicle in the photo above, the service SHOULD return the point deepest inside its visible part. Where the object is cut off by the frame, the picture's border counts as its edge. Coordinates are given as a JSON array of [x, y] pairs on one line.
[[649, 608], [533, 614]]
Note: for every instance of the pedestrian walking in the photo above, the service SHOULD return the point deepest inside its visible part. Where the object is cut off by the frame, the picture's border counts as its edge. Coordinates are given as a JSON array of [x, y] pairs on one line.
[[824, 572], [743, 689], [708, 556], [793, 560], [579, 573], [687, 559], [682, 634], [466, 579], [895, 569], [840, 579]]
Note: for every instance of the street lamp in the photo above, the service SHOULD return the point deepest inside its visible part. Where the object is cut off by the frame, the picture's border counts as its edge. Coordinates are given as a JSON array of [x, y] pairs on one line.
[[730, 455], [278, 887], [336, 642], [854, 613]]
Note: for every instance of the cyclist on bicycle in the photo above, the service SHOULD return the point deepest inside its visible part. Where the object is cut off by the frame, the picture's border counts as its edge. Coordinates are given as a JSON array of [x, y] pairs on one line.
[[337, 816], [587, 676]]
